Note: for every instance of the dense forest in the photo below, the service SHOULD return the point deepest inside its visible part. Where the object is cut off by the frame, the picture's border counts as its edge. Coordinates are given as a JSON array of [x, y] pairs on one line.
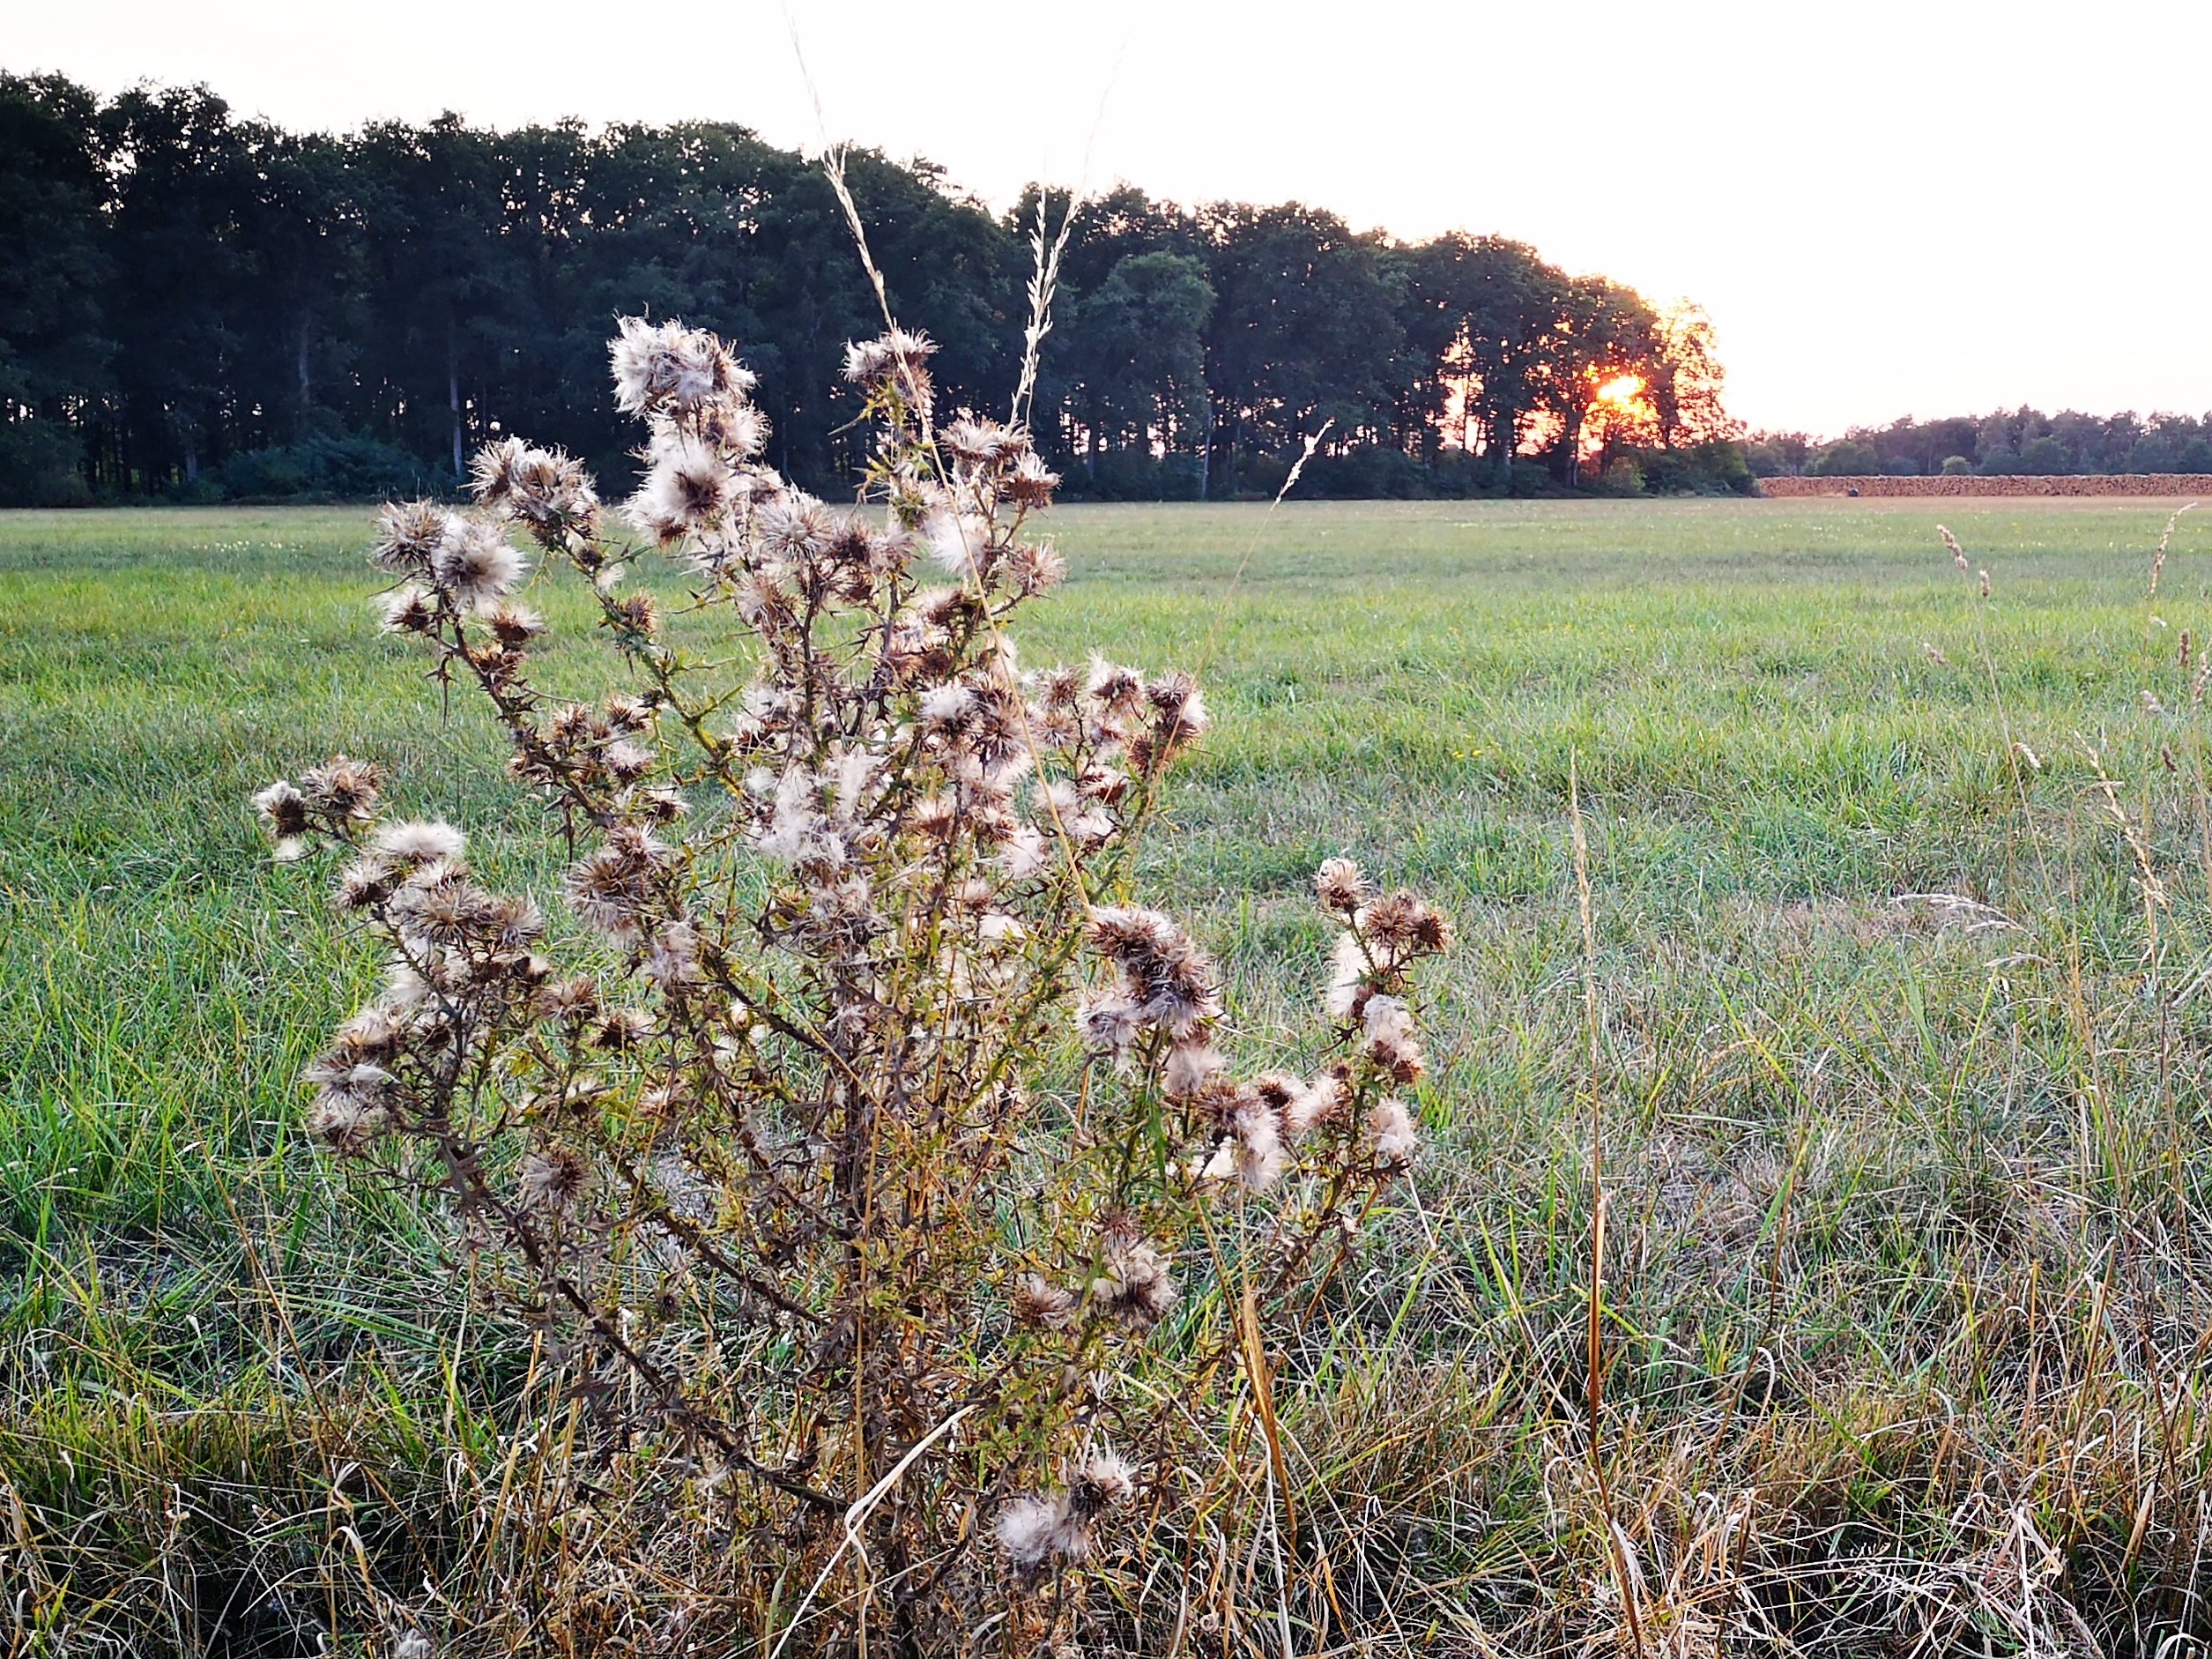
[[196, 306], [2018, 441]]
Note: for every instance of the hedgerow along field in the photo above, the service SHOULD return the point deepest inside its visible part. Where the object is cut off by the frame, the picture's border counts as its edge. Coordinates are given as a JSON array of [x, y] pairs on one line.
[[1889, 1014]]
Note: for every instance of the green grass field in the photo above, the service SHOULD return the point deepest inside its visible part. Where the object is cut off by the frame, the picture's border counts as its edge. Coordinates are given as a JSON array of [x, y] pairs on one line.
[[1901, 905]]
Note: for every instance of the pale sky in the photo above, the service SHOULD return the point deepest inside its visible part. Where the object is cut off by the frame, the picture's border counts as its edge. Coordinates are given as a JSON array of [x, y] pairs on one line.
[[1888, 207]]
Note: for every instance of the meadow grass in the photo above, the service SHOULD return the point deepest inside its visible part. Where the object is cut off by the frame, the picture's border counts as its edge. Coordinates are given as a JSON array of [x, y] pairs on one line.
[[1899, 899]]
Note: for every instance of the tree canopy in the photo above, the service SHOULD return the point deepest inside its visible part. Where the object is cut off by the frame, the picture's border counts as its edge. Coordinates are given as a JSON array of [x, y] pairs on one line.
[[2010, 440], [201, 304]]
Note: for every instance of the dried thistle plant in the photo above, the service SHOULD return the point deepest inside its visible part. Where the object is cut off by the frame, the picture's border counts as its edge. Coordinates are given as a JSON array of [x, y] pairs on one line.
[[874, 1164]]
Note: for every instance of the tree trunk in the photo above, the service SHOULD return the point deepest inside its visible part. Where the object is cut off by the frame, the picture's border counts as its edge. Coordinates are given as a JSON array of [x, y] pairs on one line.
[[1206, 451], [306, 390], [453, 396]]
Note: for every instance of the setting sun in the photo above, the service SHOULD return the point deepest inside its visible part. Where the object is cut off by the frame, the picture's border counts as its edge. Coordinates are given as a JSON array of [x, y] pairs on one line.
[[1622, 390]]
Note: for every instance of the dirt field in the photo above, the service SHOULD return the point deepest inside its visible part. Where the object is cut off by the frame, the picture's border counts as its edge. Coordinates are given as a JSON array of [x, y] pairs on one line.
[[2147, 484]]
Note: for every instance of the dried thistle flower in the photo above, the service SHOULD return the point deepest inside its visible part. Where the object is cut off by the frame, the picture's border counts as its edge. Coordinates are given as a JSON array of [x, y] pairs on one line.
[[514, 625], [552, 1177], [409, 608], [1318, 1101], [475, 565], [344, 789], [667, 366], [284, 809], [1136, 1286], [896, 363], [1396, 1139], [959, 542], [1036, 1300], [405, 845], [1190, 1065], [1404, 925], [349, 1110], [1031, 483], [1032, 1531], [409, 535], [1340, 886], [1101, 1481]]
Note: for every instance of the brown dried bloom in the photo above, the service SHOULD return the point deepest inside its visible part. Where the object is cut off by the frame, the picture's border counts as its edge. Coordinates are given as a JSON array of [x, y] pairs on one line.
[[344, 789], [1390, 1041], [492, 472], [1035, 569], [514, 625], [1404, 925], [1029, 482], [669, 366], [552, 1177], [546, 489], [1136, 1285], [1319, 1100], [1036, 1300], [408, 537], [1037, 1533], [1396, 1139], [352, 1098], [1174, 984], [475, 564], [368, 880], [406, 845], [1179, 715], [611, 888], [1340, 886], [1191, 1066], [622, 1029], [688, 489], [1103, 1481], [346, 1121], [1033, 1532], [284, 809], [897, 358], [979, 442], [409, 608]]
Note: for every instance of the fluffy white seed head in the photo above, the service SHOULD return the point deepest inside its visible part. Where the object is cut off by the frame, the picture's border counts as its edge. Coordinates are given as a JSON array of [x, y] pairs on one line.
[[1190, 1066], [475, 565], [1396, 1139], [958, 541], [1031, 1531], [667, 366], [413, 844]]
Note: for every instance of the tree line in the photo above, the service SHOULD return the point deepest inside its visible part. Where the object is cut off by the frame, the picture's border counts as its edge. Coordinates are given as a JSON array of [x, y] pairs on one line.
[[2022, 441], [198, 305]]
